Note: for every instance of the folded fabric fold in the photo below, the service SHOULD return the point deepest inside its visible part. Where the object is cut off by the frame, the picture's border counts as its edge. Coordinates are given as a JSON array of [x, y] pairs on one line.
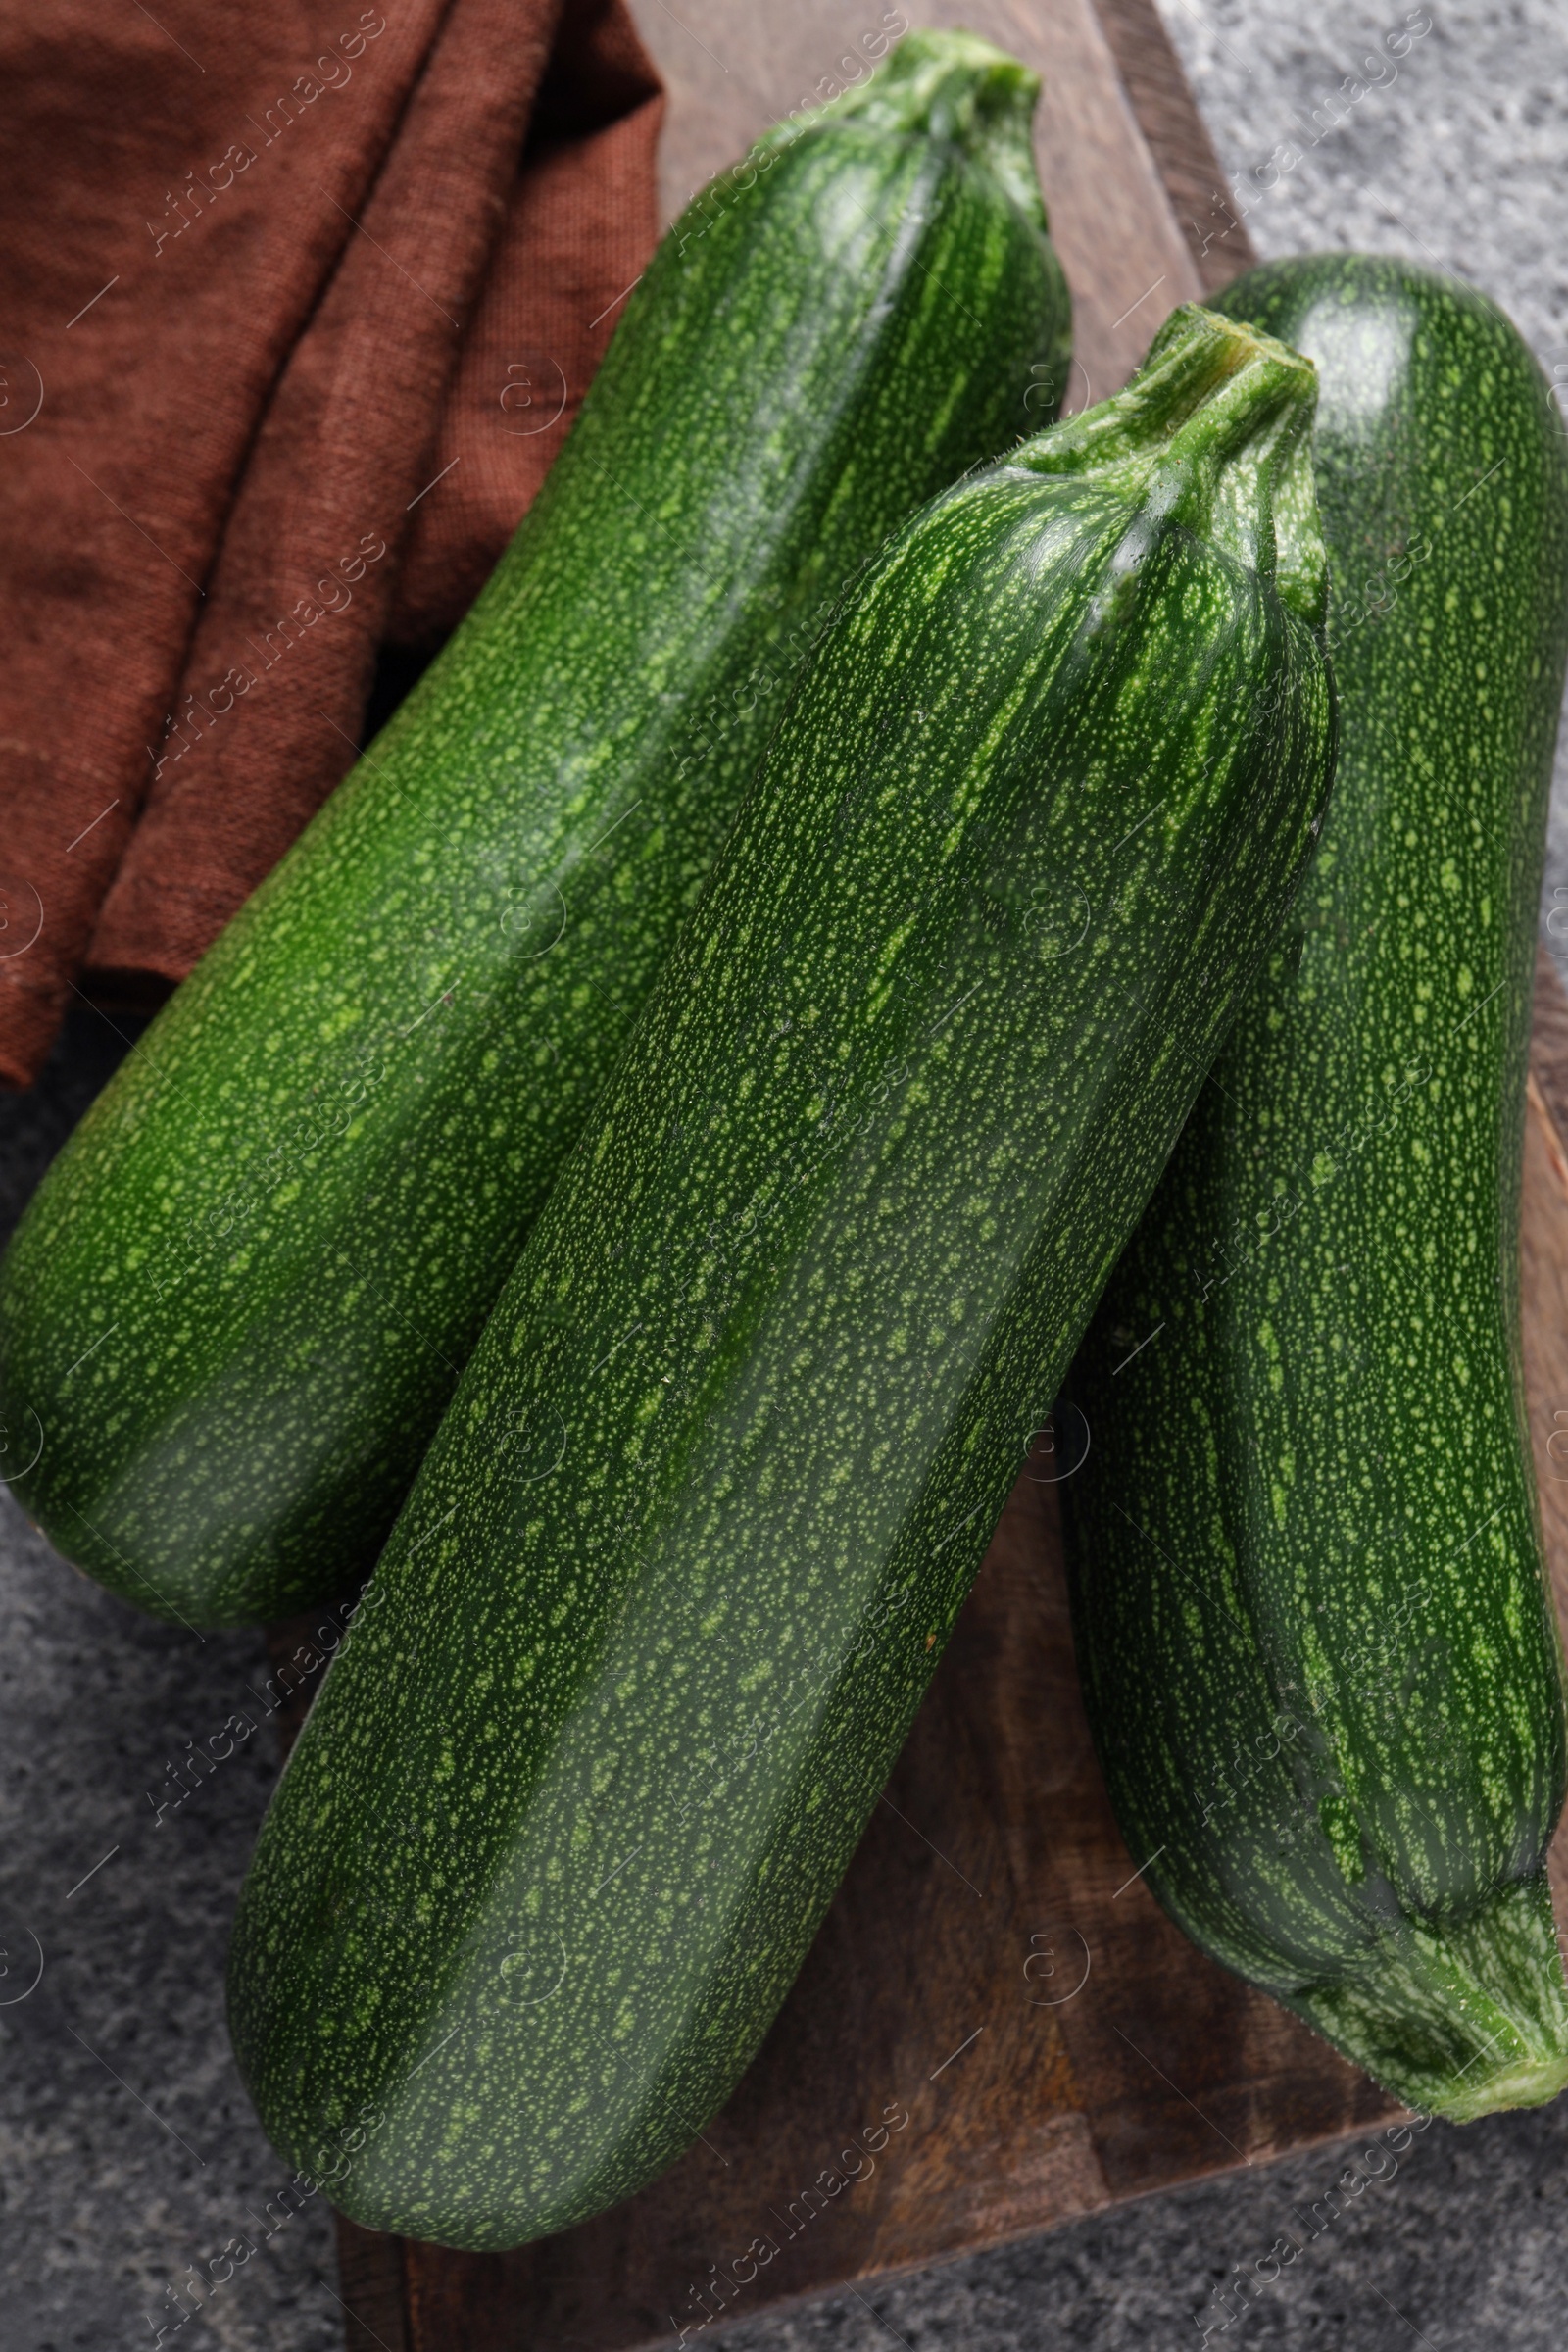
[[288, 355]]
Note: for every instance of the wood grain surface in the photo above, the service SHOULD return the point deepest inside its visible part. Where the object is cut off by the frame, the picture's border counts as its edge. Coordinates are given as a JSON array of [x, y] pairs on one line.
[[1177, 139], [996, 2028]]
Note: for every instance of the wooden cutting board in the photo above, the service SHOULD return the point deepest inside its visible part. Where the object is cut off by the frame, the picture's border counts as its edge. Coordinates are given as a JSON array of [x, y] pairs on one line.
[[996, 2028]]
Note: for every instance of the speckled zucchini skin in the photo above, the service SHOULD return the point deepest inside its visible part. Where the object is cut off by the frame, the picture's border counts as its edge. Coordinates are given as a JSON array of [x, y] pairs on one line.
[[236, 1310], [1315, 1637], [687, 1546]]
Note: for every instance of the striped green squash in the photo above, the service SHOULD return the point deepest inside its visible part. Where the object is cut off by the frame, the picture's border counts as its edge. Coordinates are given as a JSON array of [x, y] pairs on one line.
[[687, 1546], [1316, 1643], [237, 1307]]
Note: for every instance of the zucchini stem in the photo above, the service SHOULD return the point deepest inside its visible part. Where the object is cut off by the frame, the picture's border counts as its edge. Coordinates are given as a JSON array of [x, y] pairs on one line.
[[946, 85], [1213, 433], [1460, 2020]]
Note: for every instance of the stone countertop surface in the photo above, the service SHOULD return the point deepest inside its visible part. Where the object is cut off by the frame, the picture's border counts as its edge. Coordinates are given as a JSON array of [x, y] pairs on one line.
[[128, 2149]]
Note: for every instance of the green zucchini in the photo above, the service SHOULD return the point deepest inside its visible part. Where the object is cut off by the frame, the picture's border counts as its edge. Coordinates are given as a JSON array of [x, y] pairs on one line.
[[238, 1309], [684, 1552], [1315, 1637]]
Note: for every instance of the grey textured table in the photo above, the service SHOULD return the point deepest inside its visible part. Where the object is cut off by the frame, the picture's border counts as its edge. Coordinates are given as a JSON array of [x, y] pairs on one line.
[[127, 2148]]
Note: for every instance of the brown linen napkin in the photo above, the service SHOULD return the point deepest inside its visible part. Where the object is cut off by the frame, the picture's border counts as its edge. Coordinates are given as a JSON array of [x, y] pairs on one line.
[[287, 352]]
